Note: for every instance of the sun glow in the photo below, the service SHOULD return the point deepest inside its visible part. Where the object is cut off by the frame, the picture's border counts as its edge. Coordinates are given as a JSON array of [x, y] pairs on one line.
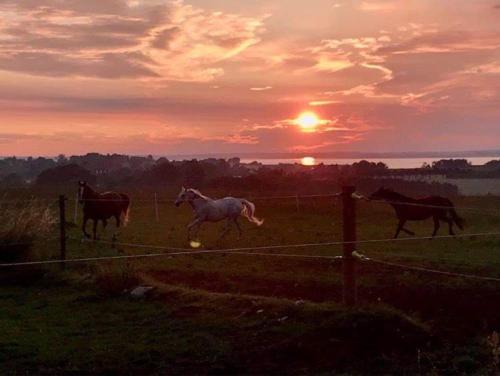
[[308, 161], [308, 121]]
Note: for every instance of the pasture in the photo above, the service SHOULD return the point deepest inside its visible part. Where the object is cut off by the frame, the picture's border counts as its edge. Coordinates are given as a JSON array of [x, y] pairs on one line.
[[223, 313]]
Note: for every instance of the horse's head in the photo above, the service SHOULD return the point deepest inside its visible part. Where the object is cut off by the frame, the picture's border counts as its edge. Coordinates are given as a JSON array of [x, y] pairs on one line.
[[186, 195], [382, 194], [189, 195], [82, 186]]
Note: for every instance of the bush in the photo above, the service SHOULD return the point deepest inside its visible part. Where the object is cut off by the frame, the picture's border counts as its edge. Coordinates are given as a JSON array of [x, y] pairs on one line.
[[20, 225]]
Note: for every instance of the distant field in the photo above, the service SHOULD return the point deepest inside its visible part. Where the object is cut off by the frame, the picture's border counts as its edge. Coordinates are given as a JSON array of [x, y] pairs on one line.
[[208, 306]]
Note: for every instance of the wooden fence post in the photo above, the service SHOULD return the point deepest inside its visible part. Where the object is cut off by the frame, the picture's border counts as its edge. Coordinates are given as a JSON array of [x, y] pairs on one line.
[[157, 213], [62, 228], [75, 219], [349, 236]]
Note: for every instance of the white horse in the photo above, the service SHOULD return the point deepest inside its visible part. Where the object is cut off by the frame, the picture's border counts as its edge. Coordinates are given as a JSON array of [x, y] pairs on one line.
[[209, 210]]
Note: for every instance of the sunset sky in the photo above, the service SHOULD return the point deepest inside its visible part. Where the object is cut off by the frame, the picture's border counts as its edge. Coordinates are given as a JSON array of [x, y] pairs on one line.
[[217, 76]]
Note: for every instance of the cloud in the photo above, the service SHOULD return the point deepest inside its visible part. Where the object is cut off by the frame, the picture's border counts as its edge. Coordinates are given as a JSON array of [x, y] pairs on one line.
[[285, 135], [443, 42], [106, 65], [263, 88], [119, 39], [378, 5]]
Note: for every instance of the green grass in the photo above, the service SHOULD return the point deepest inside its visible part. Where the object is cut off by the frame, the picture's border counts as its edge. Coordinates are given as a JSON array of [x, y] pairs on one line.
[[204, 318], [68, 328]]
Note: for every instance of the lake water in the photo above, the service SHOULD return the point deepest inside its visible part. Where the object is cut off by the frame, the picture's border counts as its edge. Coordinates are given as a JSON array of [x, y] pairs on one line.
[[391, 162]]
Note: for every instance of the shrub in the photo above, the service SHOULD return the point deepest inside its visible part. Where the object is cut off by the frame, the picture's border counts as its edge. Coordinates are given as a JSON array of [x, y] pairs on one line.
[[20, 225]]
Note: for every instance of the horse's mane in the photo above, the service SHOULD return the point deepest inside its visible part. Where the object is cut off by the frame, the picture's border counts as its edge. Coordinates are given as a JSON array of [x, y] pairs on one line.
[[398, 196], [91, 191], [199, 194]]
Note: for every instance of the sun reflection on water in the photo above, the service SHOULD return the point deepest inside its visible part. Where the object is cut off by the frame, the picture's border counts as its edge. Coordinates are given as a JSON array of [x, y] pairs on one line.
[[308, 161]]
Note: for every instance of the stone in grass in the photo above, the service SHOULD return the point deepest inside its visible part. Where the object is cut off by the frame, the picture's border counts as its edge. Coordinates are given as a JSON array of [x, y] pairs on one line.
[[141, 291]]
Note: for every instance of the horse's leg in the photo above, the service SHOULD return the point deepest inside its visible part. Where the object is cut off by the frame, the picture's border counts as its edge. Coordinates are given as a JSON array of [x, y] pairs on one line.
[[226, 229], [197, 230], [238, 226], [408, 231], [95, 228], [104, 225], [196, 223], [84, 227], [400, 227], [450, 226], [115, 234], [437, 225]]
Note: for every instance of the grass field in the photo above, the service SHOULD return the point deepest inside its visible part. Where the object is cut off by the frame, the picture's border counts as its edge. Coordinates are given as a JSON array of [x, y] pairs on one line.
[[246, 313]]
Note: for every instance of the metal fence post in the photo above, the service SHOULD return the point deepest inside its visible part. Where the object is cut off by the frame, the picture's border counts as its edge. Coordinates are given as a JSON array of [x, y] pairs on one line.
[[349, 237]]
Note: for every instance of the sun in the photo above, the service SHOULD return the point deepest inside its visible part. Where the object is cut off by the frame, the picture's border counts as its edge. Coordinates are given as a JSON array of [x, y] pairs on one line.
[[308, 161], [307, 121]]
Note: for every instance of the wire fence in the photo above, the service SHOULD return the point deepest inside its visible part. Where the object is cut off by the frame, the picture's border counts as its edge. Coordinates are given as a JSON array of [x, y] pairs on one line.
[[424, 270], [154, 201], [265, 250], [275, 197], [245, 251]]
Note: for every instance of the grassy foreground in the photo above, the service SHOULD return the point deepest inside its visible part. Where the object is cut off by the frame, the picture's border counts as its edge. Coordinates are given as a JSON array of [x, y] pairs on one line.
[[56, 329], [243, 313]]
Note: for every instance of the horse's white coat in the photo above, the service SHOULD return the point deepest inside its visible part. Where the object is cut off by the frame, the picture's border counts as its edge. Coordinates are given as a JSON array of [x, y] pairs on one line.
[[209, 210]]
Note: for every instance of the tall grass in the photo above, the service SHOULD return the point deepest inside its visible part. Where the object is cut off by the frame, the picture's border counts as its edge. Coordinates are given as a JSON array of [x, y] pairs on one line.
[[114, 280], [21, 223]]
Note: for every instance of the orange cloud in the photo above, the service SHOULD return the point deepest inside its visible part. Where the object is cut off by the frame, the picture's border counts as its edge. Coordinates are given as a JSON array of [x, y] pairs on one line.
[[119, 39]]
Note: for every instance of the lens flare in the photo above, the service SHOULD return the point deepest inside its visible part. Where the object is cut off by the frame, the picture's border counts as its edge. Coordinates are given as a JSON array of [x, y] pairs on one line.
[[195, 244]]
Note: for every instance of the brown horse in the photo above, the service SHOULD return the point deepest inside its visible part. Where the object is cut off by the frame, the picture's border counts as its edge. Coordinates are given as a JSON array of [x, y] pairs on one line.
[[102, 206], [410, 209]]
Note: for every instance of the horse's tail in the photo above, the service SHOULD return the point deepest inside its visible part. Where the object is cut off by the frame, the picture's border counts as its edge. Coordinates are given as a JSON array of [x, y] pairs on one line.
[[457, 219], [125, 209], [249, 212]]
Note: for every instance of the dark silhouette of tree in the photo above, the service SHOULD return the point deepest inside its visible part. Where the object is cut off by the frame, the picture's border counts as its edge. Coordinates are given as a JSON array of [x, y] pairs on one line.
[[193, 174], [68, 174], [369, 168], [164, 173], [452, 165], [12, 180]]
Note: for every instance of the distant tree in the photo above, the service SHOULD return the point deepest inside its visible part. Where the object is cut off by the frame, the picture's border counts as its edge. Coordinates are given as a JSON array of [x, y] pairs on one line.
[[161, 173], [193, 174], [161, 160], [12, 180], [61, 159], [452, 165], [493, 165], [234, 161], [369, 168], [37, 165], [67, 174]]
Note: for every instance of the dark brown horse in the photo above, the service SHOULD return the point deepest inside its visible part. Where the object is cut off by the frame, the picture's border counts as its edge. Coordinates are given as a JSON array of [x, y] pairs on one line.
[[410, 209], [102, 206]]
